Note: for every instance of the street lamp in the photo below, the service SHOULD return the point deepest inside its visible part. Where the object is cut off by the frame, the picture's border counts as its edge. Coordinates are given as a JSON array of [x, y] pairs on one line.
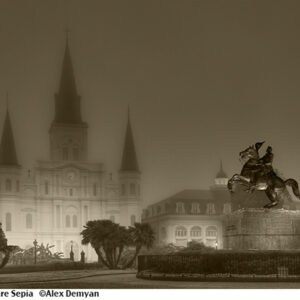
[[216, 244], [71, 252], [35, 245]]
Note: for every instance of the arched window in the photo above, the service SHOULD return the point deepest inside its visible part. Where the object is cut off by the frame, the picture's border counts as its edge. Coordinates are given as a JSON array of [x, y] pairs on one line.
[[75, 153], [46, 187], [180, 231], [28, 221], [95, 189], [8, 185], [132, 220], [74, 221], [18, 186], [8, 222], [70, 192], [68, 221], [195, 231], [65, 153], [132, 189], [211, 231]]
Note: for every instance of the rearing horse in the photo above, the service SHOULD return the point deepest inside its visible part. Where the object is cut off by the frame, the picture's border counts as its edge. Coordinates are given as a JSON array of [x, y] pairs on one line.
[[254, 177]]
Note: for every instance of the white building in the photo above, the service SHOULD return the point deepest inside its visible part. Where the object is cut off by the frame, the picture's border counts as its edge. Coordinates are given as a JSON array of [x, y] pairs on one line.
[[191, 215], [53, 203]]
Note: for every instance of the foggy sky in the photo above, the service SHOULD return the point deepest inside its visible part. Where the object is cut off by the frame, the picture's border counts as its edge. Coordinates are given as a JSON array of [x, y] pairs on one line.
[[204, 80]]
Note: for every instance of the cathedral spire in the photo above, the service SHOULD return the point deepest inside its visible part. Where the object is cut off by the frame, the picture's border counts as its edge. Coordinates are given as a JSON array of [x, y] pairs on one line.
[[129, 159], [67, 105], [8, 154]]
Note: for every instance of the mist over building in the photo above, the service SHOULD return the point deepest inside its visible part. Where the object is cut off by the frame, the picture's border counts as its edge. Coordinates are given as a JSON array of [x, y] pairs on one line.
[[53, 202]]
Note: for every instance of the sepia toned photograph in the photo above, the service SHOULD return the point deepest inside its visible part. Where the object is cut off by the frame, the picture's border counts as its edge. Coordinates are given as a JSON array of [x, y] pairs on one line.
[[149, 144]]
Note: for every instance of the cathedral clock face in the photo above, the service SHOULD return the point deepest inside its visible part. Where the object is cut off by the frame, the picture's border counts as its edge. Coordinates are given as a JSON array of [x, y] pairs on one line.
[[70, 175]]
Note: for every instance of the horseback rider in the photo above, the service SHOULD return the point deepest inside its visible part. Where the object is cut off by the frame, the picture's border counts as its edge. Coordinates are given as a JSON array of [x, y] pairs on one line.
[[267, 160]]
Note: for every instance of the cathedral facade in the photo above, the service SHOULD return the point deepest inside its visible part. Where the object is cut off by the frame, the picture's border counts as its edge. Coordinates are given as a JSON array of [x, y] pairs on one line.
[[54, 202]]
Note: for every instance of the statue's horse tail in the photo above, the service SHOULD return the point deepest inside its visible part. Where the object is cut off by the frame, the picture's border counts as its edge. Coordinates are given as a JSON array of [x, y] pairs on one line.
[[294, 185]]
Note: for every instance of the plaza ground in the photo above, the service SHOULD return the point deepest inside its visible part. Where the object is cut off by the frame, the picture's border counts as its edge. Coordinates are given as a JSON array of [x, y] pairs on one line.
[[120, 279]]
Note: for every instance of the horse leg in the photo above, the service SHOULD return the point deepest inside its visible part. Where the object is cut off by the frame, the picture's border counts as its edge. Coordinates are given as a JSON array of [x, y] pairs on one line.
[[273, 197]]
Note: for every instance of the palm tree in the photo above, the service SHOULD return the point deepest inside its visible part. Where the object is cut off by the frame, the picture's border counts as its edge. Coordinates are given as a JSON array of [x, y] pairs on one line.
[[142, 235], [108, 240], [4, 248]]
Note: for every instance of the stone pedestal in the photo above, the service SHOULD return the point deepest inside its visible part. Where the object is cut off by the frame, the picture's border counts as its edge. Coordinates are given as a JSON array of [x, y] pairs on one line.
[[262, 229]]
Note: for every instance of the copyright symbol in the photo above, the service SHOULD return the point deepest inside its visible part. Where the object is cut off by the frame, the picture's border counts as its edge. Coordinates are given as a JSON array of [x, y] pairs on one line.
[[42, 293]]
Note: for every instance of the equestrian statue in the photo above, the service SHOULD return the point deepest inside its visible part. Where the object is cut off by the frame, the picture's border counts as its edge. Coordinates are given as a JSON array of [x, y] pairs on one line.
[[258, 175]]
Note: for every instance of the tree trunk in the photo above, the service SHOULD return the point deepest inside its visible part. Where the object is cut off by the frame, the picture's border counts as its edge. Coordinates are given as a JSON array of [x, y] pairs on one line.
[[120, 253], [129, 264], [5, 259], [101, 259]]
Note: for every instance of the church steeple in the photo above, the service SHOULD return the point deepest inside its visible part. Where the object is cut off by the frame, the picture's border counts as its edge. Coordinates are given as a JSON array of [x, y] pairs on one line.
[[67, 101], [8, 154], [129, 159], [68, 133]]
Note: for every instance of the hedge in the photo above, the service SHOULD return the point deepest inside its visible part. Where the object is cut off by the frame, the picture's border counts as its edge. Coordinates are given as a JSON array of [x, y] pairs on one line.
[[223, 262]]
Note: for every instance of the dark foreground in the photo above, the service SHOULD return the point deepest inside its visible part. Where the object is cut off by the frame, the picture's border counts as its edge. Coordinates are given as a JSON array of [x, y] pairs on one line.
[[121, 280]]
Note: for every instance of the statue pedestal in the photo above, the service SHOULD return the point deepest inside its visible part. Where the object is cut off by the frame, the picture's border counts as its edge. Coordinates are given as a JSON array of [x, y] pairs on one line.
[[262, 229]]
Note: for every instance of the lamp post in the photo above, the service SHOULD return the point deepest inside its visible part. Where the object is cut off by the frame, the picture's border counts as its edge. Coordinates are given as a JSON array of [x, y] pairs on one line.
[[71, 252], [35, 245], [216, 245]]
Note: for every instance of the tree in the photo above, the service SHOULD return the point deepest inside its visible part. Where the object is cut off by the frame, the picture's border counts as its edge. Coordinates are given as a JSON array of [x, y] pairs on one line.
[[108, 240], [5, 250], [141, 235]]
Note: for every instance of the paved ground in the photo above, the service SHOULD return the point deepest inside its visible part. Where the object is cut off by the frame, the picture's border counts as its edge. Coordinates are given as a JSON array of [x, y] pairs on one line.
[[118, 279]]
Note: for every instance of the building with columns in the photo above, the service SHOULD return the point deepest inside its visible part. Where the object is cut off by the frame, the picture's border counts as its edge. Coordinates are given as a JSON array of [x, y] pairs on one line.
[[191, 215], [54, 202]]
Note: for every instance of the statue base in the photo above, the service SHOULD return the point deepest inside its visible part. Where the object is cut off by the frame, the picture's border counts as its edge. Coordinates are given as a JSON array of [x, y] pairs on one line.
[[262, 229]]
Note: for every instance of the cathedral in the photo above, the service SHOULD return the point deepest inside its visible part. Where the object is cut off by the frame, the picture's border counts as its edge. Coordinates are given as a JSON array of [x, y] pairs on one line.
[[52, 203]]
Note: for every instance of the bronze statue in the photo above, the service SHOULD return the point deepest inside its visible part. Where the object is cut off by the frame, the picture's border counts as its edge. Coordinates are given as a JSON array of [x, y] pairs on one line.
[[258, 174]]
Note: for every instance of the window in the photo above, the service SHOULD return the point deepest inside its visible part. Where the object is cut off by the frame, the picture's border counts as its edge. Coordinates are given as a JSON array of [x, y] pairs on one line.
[[132, 189], [57, 208], [8, 222], [46, 187], [112, 218], [8, 185], [210, 209], [158, 209], [227, 208], [74, 219], [85, 213], [195, 208], [85, 185], [180, 208], [211, 231], [18, 186], [28, 221], [180, 231], [196, 231], [70, 192], [123, 190], [68, 221], [65, 153], [132, 220], [95, 189], [75, 153]]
